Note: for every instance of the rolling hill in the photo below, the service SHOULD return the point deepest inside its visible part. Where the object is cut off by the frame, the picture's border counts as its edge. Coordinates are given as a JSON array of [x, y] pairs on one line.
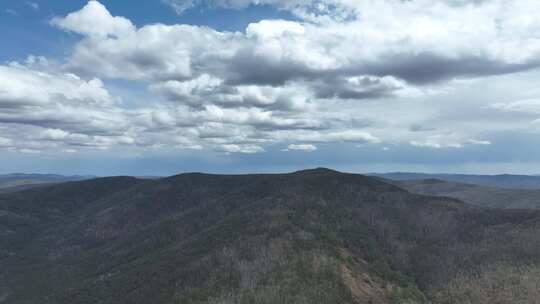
[[313, 236]]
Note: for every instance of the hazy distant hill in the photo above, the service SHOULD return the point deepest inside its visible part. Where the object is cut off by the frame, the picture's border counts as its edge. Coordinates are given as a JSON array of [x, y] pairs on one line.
[[503, 180], [314, 236], [20, 181], [474, 194]]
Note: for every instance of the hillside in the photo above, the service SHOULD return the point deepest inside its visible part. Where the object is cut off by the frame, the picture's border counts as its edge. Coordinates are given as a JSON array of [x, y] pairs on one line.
[[483, 196], [500, 181], [314, 236]]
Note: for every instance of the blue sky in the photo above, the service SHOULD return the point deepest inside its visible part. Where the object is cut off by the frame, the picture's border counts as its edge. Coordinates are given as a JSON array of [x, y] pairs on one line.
[[161, 87]]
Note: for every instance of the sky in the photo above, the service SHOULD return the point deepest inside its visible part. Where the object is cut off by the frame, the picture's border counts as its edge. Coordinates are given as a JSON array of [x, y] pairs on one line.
[[159, 87]]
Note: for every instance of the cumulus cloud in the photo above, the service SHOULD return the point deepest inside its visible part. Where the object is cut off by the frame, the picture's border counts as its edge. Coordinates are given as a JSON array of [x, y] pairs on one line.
[[113, 47], [362, 87], [343, 72], [58, 107], [209, 90], [32, 88], [48, 110], [365, 57], [434, 45], [94, 20]]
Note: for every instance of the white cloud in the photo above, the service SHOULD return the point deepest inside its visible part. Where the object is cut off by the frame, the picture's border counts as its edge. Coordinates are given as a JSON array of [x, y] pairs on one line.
[[530, 106], [343, 71], [436, 144], [179, 5], [33, 5], [11, 12], [94, 20], [57, 107], [355, 136], [29, 151], [479, 142], [535, 124], [447, 141], [5, 142], [55, 134], [434, 45], [301, 147], [114, 47], [247, 149], [29, 87], [71, 151]]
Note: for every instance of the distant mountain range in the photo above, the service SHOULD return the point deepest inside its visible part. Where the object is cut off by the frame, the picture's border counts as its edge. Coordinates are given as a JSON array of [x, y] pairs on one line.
[[21, 181], [503, 180], [484, 196], [313, 236]]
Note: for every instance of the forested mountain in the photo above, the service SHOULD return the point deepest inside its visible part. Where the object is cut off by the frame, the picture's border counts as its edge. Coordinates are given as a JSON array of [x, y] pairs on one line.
[[483, 196], [314, 236], [502, 180]]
